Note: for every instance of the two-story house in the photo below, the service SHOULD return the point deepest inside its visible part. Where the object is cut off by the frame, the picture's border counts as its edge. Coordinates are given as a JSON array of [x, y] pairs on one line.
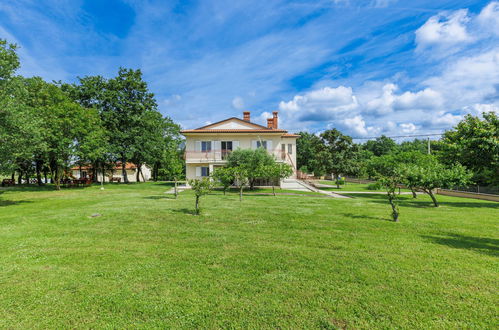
[[207, 147]]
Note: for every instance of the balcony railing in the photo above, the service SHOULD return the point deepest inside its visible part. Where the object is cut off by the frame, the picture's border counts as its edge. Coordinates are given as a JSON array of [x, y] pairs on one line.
[[220, 155]]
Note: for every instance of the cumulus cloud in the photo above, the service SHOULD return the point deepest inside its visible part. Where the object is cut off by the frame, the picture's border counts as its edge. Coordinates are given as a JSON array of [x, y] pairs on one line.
[[322, 104], [489, 17], [408, 127], [357, 125], [444, 30]]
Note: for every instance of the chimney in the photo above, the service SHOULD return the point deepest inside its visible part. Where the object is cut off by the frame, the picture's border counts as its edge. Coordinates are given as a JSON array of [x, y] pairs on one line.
[[246, 116], [275, 119], [270, 122]]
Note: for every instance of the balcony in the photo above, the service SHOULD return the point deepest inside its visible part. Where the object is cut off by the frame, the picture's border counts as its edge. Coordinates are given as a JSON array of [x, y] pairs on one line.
[[214, 156]]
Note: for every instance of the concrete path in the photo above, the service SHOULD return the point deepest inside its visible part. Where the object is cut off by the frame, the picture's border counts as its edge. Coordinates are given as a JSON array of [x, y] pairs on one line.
[[294, 184]]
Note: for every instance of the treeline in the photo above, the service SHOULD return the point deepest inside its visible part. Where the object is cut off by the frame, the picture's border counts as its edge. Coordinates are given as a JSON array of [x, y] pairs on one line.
[[47, 127], [473, 144]]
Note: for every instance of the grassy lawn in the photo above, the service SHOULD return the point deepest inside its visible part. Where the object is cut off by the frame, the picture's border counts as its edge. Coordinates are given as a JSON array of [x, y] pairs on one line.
[[268, 262]]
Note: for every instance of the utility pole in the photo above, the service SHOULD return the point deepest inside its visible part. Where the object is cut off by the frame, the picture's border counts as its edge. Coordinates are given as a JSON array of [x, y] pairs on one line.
[[429, 149]]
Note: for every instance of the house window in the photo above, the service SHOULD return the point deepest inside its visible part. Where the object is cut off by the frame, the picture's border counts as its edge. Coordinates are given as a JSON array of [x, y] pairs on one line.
[[205, 146], [226, 148], [261, 144], [205, 171], [290, 149], [283, 151]]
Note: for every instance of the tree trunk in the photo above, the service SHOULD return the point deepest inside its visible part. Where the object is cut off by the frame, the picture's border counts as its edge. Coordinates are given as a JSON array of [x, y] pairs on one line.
[[197, 205], [123, 170], [27, 177], [433, 198], [45, 176], [414, 195], [175, 191], [20, 178], [393, 204], [273, 189], [57, 179], [13, 177], [138, 175], [240, 193], [38, 173]]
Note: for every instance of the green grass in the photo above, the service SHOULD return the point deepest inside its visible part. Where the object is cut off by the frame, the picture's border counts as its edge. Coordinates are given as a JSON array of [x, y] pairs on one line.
[[268, 262]]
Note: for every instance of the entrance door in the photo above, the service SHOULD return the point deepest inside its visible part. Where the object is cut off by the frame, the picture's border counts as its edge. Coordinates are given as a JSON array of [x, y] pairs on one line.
[[226, 148]]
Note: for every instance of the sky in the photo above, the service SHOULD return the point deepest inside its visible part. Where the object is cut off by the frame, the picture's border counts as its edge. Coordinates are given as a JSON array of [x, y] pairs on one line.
[[365, 67]]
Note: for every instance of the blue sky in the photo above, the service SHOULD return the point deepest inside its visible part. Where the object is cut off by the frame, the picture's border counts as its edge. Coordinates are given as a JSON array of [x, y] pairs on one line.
[[367, 67]]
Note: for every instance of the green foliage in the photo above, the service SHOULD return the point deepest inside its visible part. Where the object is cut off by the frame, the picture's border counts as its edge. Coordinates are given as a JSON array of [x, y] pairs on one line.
[[201, 188], [474, 143], [306, 150], [225, 176], [381, 146], [251, 161], [335, 153], [374, 186]]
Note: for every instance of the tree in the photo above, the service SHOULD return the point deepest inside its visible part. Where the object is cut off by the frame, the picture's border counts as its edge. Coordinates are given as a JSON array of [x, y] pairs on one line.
[[381, 146], [335, 154], [306, 151], [429, 174], [200, 188], [387, 171], [251, 160], [241, 178], [474, 143], [275, 172], [225, 176]]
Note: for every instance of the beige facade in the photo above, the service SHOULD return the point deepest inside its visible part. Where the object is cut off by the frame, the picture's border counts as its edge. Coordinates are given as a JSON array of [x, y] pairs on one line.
[[207, 147], [116, 173]]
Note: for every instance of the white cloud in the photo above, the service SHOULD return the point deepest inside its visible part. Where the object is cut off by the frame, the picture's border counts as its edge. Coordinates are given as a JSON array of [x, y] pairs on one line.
[[357, 125], [408, 127], [489, 17], [238, 103], [444, 30]]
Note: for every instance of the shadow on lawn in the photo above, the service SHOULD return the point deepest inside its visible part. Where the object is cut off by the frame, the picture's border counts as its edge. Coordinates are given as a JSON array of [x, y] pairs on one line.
[[407, 200], [357, 216], [485, 245], [160, 197], [185, 211]]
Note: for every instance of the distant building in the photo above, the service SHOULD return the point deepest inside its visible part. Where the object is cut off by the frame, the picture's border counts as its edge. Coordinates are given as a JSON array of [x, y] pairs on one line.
[[115, 174]]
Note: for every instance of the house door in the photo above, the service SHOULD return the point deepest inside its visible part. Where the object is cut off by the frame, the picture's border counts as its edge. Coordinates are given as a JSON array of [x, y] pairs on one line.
[[226, 148]]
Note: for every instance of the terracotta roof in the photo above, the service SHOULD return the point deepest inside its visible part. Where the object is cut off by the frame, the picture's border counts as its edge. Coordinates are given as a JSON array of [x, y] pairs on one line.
[[232, 118], [289, 135], [266, 130]]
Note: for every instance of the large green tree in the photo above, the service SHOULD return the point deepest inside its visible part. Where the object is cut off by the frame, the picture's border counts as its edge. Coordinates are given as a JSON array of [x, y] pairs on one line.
[[335, 154], [474, 143], [252, 160], [382, 145]]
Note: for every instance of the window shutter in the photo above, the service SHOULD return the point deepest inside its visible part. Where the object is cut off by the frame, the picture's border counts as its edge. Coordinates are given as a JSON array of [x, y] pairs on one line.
[[269, 145], [216, 145], [198, 171], [253, 144], [198, 145], [235, 145]]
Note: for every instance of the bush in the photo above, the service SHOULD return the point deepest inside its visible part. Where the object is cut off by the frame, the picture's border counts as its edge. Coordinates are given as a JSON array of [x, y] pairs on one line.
[[374, 186]]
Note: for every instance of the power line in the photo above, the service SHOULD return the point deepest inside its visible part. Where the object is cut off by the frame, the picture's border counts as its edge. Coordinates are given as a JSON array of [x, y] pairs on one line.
[[396, 136]]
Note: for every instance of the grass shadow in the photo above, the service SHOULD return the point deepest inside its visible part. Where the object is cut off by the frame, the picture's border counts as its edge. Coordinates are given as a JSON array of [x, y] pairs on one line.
[[484, 245], [357, 216], [185, 211], [4, 203], [408, 201], [166, 196]]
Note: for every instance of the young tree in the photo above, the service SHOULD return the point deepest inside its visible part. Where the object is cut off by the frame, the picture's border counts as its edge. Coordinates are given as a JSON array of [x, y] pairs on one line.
[[276, 172], [200, 188], [429, 174], [225, 176], [241, 179], [251, 160], [387, 171]]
